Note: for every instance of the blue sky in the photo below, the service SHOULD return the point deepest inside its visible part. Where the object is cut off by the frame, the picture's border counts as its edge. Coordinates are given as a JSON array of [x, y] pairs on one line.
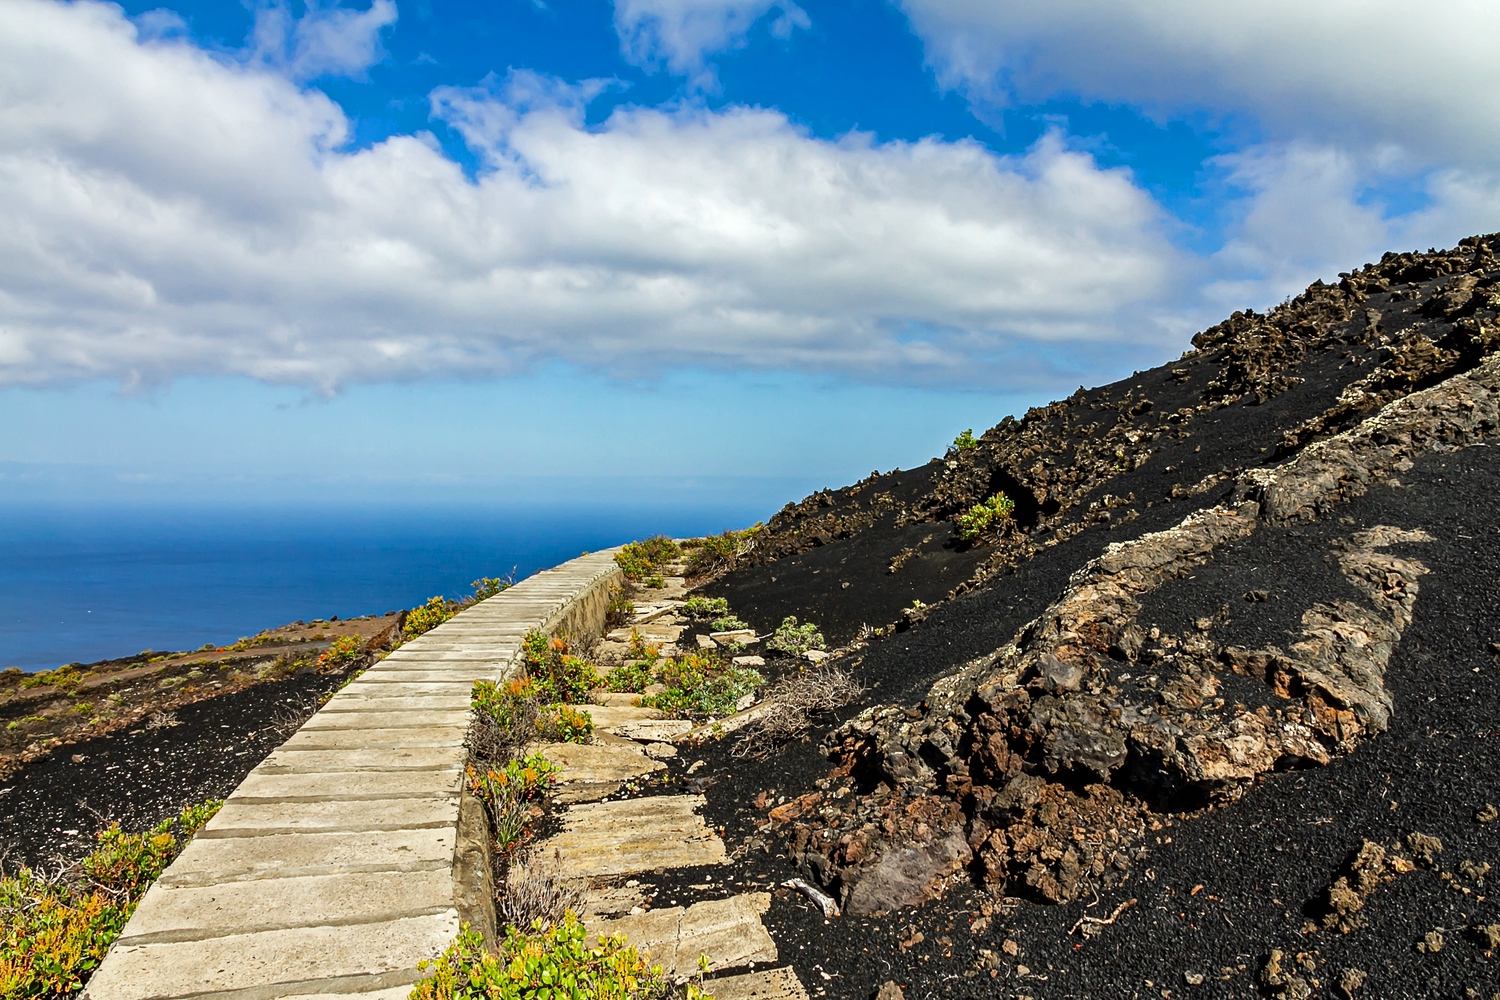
[[407, 250]]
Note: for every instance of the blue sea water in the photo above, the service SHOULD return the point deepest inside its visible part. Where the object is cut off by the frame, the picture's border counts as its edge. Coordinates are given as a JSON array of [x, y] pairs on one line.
[[85, 584]]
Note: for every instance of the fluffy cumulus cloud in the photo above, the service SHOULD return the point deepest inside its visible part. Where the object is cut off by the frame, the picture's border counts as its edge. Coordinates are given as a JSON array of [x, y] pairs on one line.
[[169, 212], [681, 34], [1362, 71], [1348, 100]]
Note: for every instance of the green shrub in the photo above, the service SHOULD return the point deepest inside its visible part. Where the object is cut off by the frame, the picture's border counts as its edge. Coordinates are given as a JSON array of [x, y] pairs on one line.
[[559, 675], [997, 508], [621, 607], [965, 441], [548, 962], [55, 931], [643, 558], [426, 617], [702, 609], [343, 651], [508, 792], [640, 649], [561, 724], [655, 581], [488, 586], [701, 684], [717, 552], [793, 638], [728, 623], [630, 677]]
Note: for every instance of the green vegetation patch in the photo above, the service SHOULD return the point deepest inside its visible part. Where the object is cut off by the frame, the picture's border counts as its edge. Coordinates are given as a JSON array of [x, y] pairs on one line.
[[792, 638], [549, 962], [56, 929], [701, 683], [642, 559], [560, 676], [997, 509]]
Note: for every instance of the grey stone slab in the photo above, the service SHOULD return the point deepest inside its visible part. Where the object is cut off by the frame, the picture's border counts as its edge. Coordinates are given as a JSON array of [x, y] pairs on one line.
[[328, 786], [381, 718], [727, 932], [591, 771], [354, 738], [636, 835], [654, 731], [195, 913], [208, 861], [240, 819], [244, 961], [406, 759], [610, 716], [387, 698], [773, 984]]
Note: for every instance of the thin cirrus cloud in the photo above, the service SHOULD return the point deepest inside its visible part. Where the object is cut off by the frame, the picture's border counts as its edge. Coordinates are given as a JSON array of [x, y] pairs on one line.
[[171, 212], [325, 41], [681, 35]]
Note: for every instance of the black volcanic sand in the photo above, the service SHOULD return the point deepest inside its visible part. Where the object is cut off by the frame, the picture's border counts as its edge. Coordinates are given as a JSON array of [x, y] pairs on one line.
[[1263, 863], [1243, 435], [51, 808]]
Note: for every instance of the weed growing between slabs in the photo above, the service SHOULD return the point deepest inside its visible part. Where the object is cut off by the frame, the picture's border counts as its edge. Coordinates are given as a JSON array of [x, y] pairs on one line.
[[57, 927], [549, 962]]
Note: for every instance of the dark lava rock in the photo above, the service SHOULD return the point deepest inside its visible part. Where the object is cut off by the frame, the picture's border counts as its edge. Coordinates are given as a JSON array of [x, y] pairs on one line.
[[1238, 627]]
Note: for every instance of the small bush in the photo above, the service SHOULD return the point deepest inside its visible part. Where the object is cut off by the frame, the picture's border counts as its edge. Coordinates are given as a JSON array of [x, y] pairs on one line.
[[965, 441], [640, 649], [559, 676], [655, 581], [790, 705], [426, 617], [701, 684], [621, 607], [718, 552], [972, 524], [702, 609], [344, 650], [793, 639], [488, 586], [504, 718], [54, 931], [561, 724], [631, 677], [508, 793], [548, 962], [643, 558], [538, 889], [728, 623]]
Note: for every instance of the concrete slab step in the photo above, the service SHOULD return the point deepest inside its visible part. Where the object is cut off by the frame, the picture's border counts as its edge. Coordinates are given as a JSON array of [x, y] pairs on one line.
[[601, 839], [240, 859], [196, 913], [592, 770], [247, 961], [773, 984], [728, 932]]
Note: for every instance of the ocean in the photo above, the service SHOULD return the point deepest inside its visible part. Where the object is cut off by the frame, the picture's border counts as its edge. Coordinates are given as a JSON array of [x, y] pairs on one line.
[[85, 584]]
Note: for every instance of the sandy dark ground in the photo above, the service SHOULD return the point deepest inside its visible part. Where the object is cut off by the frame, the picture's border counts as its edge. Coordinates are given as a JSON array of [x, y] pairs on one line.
[[51, 807]]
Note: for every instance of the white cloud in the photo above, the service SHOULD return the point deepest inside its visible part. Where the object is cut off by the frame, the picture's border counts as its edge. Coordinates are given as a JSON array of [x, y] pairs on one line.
[[327, 40], [1354, 72], [170, 213], [681, 34]]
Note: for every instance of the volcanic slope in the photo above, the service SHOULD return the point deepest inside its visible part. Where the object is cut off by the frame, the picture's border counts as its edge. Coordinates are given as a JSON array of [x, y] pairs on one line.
[[1230, 660]]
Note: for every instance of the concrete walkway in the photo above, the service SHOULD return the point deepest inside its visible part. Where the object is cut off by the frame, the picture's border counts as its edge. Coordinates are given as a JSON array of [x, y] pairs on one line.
[[340, 862]]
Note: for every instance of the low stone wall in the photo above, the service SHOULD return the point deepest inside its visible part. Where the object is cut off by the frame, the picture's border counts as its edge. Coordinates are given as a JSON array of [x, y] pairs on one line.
[[350, 854]]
